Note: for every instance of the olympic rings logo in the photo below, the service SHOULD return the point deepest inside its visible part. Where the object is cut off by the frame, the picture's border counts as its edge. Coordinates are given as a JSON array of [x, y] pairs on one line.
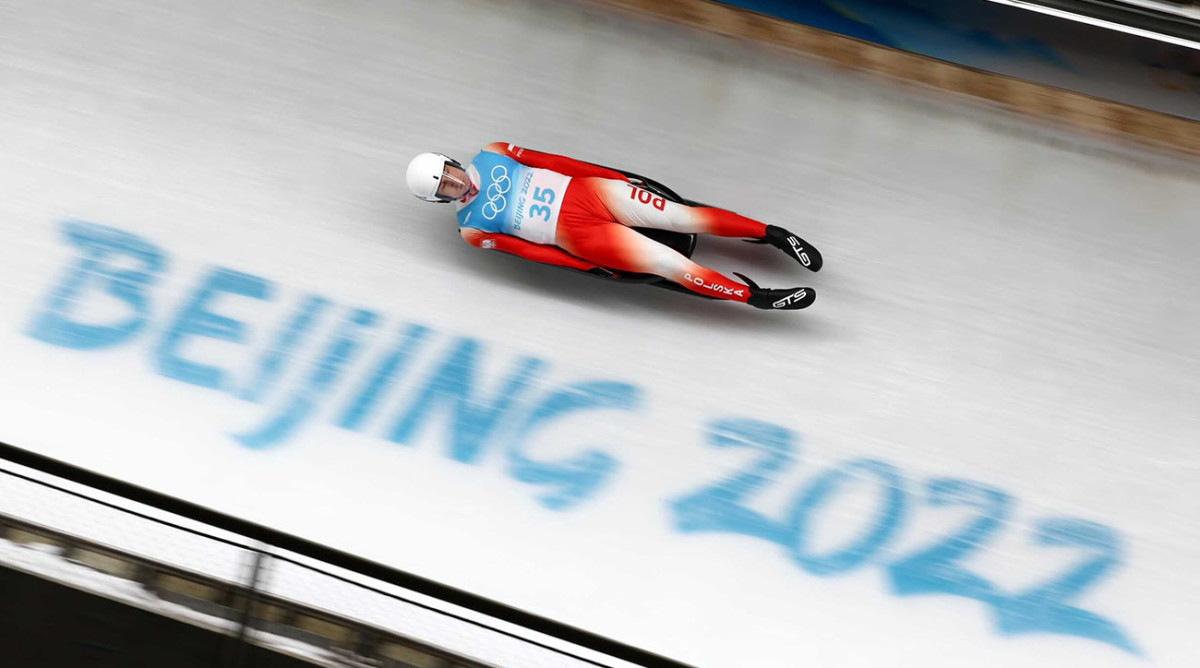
[[500, 185]]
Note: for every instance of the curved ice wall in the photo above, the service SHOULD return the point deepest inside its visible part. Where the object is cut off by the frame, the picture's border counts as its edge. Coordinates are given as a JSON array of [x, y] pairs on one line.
[[977, 448]]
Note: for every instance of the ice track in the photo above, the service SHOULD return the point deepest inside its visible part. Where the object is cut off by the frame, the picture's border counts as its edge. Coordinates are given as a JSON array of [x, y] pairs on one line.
[[1001, 304]]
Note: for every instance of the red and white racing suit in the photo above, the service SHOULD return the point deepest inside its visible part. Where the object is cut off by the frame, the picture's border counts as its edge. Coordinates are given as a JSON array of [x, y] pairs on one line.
[[594, 219]]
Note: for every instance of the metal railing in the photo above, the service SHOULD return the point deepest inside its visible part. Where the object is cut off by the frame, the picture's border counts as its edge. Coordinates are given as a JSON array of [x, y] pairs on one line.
[[259, 587]]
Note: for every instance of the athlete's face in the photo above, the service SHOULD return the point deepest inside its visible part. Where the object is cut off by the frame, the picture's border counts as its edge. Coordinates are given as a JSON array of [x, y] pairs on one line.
[[455, 183]]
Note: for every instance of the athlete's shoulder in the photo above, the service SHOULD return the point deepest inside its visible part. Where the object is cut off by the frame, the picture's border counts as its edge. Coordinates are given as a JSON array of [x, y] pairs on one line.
[[498, 147], [497, 152], [505, 149], [477, 237]]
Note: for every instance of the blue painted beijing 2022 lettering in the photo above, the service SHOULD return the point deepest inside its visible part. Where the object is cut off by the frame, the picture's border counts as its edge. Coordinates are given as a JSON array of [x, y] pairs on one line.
[[523, 406], [101, 270], [934, 569]]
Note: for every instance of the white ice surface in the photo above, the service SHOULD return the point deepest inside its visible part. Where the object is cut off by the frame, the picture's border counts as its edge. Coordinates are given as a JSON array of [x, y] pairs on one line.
[[1000, 303]]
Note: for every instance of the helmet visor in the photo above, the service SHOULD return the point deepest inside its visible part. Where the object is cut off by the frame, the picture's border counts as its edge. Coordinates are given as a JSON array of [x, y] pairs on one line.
[[454, 183]]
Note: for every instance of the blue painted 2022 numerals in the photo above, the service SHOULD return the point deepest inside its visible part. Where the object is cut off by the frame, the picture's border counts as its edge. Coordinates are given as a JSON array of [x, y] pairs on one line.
[[940, 567]]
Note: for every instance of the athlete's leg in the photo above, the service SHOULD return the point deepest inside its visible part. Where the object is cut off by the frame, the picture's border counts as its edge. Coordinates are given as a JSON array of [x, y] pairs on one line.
[[615, 246], [637, 207]]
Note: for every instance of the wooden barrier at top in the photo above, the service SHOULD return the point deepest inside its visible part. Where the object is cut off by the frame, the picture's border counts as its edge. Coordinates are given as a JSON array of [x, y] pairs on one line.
[[1082, 112]]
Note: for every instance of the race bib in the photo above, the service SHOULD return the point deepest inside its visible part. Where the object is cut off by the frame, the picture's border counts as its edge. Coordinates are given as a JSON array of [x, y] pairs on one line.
[[538, 201]]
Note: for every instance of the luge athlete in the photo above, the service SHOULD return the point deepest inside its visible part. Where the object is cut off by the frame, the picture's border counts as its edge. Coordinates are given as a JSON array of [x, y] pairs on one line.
[[557, 210]]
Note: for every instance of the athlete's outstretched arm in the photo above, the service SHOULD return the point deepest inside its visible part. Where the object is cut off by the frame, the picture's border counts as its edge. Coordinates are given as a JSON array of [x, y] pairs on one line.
[[558, 163], [526, 249]]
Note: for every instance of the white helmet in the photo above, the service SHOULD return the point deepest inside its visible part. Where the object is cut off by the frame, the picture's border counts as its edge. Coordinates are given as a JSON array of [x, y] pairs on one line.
[[425, 175]]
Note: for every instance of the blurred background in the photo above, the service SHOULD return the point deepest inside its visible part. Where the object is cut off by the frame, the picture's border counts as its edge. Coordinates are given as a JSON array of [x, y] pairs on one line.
[[261, 407]]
